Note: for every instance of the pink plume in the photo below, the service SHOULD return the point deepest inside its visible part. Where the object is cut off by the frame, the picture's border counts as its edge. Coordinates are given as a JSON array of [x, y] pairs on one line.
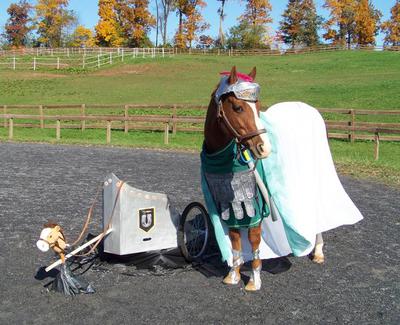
[[242, 76]]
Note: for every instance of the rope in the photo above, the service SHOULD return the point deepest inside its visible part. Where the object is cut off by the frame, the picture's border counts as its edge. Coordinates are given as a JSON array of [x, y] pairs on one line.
[[92, 249], [89, 216]]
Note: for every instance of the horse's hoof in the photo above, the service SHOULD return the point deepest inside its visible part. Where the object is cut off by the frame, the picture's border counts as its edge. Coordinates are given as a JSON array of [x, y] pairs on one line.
[[251, 286], [232, 278], [319, 259]]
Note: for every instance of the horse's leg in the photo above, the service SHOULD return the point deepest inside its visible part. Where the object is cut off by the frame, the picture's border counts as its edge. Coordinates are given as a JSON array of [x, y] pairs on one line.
[[318, 254], [233, 276], [255, 239]]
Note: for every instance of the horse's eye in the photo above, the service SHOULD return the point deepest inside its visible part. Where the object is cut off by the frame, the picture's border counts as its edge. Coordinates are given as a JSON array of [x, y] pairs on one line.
[[237, 108]]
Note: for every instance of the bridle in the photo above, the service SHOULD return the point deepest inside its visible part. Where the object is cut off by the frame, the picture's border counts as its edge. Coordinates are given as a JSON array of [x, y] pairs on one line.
[[240, 139], [55, 243]]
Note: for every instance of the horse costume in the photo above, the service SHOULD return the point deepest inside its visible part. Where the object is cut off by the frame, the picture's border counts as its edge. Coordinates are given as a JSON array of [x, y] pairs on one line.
[[294, 162]]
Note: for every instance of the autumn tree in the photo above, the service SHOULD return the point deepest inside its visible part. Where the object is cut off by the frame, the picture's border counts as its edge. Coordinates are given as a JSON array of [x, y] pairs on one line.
[[17, 26], [191, 22], [340, 26], [300, 23], [82, 37], [252, 30], [53, 18], [367, 20], [257, 12], [135, 21], [108, 29], [351, 21], [391, 27]]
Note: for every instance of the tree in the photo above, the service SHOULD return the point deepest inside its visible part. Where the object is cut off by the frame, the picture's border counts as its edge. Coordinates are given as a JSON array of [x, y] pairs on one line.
[[108, 30], [367, 20], [257, 12], [300, 23], [166, 7], [221, 36], [16, 28], [340, 27], [205, 42], [53, 19], [135, 21], [247, 36], [391, 27], [253, 26], [191, 22], [82, 37]]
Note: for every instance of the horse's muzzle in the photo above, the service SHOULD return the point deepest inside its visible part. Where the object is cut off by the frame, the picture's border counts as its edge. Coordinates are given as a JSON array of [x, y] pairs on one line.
[[42, 245]]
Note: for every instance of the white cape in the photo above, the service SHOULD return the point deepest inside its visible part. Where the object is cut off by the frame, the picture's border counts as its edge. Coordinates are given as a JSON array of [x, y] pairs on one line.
[[306, 193]]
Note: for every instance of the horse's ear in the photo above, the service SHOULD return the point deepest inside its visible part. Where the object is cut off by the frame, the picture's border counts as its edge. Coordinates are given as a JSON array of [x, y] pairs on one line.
[[253, 73], [233, 76], [57, 228]]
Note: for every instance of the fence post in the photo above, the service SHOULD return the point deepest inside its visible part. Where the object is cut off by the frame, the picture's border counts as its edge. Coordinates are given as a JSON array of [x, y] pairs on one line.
[[34, 63], [126, 115], [352, 124], [83, 62], [14, 63], [83, 113], [58, 130], [110, 57], [58, 63], [11, 128], [163, 52], [166, 133], [174, 116], [5, 112], [108, 132], [376, 138], [122, 55], [41, 116]]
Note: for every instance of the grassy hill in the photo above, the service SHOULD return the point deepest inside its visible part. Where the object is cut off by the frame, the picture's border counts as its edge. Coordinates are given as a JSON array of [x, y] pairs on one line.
[[336, 79], [369, 80]]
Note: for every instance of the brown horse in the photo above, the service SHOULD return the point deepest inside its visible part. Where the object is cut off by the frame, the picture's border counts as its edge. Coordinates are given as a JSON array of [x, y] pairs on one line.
[[231, 116]]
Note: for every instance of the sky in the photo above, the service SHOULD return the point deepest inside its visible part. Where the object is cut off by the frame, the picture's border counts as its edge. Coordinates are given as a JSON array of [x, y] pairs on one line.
[[86, 11]]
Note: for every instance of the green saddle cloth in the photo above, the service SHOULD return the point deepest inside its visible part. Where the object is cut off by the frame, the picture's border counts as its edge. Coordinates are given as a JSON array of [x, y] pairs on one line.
[[226, 162]]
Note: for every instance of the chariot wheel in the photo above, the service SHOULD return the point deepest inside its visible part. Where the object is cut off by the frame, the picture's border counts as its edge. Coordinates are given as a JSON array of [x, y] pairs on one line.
[[194, 231]]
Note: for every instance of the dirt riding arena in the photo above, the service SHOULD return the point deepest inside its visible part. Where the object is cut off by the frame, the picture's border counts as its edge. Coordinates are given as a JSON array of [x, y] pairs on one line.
[[359, 283]]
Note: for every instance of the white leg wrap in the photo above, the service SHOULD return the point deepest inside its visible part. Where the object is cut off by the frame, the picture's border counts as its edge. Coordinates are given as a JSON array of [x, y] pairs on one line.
[[256, 278]]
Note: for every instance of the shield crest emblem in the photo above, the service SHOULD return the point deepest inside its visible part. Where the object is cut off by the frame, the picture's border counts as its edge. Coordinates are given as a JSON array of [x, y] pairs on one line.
[[146, 219]]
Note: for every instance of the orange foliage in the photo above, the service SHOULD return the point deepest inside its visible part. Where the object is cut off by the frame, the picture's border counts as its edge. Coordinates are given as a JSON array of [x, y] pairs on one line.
[[391, 27], [257, 12], [191, 22], [107, 29]]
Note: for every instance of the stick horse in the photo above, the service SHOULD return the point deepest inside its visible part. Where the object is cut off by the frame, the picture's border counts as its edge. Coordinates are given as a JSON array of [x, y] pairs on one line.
[[232, 125]]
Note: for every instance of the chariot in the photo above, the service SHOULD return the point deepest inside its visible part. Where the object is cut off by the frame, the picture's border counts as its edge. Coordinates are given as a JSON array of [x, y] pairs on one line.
[[145, 221]]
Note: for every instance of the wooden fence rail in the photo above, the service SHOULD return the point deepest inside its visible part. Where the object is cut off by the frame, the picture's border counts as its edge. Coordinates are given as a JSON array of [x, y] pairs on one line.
[[172, 121]]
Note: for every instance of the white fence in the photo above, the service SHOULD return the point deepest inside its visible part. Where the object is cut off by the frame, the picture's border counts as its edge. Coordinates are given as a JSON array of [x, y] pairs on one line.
[[64, 58]]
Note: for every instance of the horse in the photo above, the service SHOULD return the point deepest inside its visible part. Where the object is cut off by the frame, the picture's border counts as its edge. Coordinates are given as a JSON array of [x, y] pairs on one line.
[[52, 236], [233, 119]]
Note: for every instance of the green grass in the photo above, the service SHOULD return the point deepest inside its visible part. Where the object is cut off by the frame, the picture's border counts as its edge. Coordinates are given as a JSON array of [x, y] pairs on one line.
[[363, 80]]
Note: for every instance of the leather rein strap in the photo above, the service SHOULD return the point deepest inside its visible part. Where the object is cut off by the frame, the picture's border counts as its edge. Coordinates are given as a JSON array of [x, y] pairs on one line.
[[239, 138]]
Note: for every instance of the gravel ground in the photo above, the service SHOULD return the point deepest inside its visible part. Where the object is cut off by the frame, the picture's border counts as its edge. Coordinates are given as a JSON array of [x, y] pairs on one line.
[[359, 283]]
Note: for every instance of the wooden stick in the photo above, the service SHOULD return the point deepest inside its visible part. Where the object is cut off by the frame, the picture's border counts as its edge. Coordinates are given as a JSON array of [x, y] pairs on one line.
[[77, 250], [376, 146], [58, 130], [166, 133], [108, 132]]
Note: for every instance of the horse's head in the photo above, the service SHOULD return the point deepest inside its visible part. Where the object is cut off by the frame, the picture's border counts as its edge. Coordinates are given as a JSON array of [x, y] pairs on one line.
[[239, 110], [51, 236]]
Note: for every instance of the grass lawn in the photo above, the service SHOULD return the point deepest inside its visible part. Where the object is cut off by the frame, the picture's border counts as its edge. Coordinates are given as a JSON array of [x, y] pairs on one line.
[[349, 79]]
